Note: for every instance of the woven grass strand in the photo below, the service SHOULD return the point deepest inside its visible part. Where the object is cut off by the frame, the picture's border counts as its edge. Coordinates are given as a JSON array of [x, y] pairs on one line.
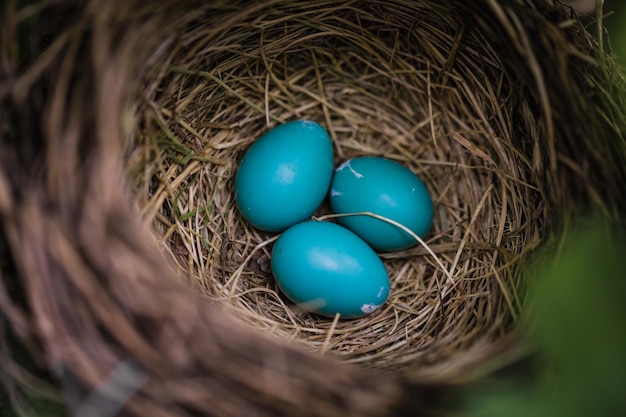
[[120, 246], [405, 229]]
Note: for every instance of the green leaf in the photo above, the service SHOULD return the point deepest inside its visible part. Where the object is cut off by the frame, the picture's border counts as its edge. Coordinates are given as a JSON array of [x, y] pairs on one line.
[[579, 328]]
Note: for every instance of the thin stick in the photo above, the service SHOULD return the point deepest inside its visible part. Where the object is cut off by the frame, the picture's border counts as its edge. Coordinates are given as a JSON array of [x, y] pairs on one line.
[[326, 344]]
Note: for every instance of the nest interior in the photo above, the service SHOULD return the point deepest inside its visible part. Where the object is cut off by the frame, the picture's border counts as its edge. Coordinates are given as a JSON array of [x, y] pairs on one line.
[[385, 79], [125, 121]]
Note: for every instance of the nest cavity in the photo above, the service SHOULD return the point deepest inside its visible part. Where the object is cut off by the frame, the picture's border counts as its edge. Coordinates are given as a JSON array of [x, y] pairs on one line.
[[386, 79]]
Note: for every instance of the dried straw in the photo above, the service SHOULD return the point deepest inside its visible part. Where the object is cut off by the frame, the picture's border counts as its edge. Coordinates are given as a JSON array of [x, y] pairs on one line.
[[129, 123], [385, 79]]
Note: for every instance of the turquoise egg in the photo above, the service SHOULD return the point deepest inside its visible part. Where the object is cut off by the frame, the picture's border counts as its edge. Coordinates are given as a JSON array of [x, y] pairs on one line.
[[384, 187], [284, 176], [327, 269]]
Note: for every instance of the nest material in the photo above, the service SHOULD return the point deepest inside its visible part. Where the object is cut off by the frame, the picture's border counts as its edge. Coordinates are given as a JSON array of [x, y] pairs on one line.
[[125, 121], [381, 84]]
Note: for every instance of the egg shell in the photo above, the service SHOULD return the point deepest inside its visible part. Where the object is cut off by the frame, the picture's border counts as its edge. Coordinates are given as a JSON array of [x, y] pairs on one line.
[[327, 269], [284, 176], [387, 188]]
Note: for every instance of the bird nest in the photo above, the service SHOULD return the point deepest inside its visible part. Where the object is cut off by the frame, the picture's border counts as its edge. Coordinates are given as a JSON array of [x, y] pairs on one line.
[[382, 84], [118, 205]]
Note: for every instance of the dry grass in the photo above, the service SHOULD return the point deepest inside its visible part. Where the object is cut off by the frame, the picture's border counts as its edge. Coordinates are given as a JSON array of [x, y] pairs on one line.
[[382, 83], [122, 121]]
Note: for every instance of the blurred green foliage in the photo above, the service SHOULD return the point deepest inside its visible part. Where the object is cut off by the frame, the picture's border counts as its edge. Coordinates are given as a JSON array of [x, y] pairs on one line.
[[579, 329], [615, 23]]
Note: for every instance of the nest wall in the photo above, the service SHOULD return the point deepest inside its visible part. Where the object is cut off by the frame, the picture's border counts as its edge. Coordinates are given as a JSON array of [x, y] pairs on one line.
[[123, 252]]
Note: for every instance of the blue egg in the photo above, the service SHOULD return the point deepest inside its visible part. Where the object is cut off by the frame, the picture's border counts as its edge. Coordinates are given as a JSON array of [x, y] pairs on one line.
[[386, 188], [327, 269], [284, 176]]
